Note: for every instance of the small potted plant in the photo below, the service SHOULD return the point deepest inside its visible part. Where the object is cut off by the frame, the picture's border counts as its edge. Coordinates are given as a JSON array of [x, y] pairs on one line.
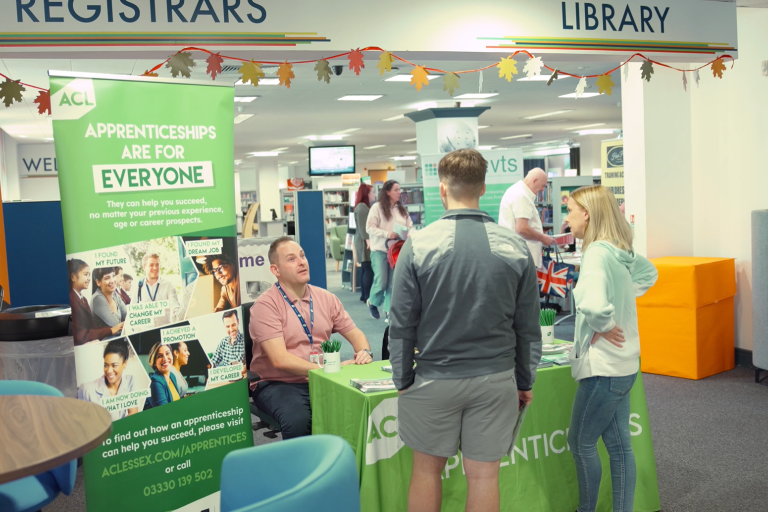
[[331, 356]]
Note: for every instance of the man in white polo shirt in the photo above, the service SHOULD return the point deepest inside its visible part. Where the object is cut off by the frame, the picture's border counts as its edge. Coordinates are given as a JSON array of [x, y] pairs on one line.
[[518, 212]]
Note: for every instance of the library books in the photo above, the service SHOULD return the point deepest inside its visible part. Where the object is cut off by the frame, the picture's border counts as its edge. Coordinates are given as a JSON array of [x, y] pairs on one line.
[[558, 359], [372, 385], [556, 348]]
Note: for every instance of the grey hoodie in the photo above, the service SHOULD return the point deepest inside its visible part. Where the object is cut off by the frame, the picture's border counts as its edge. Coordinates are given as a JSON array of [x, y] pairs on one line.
[[465, 294]]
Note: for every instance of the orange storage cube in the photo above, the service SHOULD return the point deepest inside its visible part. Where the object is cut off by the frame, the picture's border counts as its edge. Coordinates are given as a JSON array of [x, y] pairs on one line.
[[686, 320]]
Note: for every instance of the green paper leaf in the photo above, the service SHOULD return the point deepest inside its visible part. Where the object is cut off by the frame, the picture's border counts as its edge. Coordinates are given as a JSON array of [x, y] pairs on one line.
[[646, 70], [450, 83], [180, 64], [323, 70], [10, 91]]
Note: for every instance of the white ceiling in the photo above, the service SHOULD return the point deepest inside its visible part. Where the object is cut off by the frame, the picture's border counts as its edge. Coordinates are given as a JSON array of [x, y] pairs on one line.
[[283, 117]]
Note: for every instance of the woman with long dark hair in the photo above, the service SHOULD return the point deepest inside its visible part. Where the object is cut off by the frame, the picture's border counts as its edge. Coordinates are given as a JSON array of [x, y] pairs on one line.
[[107, 305], [84, 327], [606, 357], [387, 220], [365, 196]]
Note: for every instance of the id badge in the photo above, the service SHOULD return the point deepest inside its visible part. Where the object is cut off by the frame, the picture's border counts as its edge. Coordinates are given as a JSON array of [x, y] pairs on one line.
[[314, 356]]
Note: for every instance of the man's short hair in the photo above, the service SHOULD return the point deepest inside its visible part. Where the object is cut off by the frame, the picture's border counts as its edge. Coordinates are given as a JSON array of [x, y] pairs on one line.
[[147, 256], [230, 314], [127, 277], [463, 171], [223, 259], [275, 246]]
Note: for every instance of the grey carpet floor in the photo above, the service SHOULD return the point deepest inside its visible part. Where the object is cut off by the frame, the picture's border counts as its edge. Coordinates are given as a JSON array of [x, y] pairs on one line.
[[710, 436]]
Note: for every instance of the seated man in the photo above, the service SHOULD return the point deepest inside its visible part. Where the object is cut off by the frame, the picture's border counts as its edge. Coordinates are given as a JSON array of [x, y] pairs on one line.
[[288, 324]]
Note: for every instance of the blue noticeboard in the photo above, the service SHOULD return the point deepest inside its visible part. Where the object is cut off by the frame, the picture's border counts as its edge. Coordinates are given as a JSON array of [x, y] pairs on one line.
[[310, 233], [34, 241]]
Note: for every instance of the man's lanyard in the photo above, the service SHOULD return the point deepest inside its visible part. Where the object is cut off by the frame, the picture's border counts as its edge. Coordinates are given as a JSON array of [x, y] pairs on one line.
[[157, 287], [307, 330]]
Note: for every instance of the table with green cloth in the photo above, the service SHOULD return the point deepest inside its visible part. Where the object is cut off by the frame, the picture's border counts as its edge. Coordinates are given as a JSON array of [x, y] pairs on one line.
[[540, 477]]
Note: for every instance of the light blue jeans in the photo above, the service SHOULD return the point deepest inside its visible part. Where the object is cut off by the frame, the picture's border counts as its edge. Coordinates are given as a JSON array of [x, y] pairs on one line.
[[381, 291], [601, 409]]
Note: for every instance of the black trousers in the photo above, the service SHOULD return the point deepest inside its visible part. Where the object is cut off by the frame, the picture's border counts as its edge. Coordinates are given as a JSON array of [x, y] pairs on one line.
[[288, 404], [366, 280]]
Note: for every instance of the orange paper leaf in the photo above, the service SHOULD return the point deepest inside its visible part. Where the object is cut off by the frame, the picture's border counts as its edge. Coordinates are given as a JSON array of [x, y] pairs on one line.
[[356, 61], [251, 72], [147, 73], [285, 73], [43, 101], [419, 77], [717, 68], [214, 65], [605, 84]]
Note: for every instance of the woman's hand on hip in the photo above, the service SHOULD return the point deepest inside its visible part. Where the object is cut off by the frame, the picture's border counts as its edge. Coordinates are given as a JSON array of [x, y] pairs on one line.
[[615, 337], [392, 235]]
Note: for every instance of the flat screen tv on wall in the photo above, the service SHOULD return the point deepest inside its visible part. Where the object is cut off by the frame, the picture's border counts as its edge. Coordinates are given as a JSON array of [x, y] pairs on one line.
[[331, 160]]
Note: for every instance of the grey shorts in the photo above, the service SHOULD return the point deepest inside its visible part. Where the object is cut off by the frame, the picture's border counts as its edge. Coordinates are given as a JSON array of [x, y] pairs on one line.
[[434, 415]]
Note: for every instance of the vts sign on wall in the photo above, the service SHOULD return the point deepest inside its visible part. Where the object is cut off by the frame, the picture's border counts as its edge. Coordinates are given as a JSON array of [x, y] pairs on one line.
[[37, 160]]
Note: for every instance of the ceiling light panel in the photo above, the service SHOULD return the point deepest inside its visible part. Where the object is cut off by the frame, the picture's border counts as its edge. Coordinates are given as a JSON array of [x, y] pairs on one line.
[[245, 99], [582, 95], [583, 126], [361, 97], [408, 78], [517, 136], [242, 117], [476, 96], [547, 114], [376, 147], [394, 118], [541, 78]]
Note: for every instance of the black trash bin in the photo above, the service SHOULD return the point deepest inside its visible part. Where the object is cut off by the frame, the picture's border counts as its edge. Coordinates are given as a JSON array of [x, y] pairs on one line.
[[34, 345]]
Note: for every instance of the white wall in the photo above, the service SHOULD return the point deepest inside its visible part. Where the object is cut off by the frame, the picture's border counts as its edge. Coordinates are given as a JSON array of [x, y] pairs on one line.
[[694, 161], [729, 128], [9, 167], [268, 188]]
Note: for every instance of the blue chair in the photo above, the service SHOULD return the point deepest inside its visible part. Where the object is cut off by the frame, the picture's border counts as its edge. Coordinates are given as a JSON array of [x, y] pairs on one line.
[[316, 473], [34, 492]]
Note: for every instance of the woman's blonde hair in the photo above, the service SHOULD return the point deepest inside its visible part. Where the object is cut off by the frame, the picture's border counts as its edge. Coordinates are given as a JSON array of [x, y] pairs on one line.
[[606, 222]]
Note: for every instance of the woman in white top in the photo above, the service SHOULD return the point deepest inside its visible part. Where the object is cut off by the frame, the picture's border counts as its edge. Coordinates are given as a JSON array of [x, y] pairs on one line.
[[387, 220], [605, 358]]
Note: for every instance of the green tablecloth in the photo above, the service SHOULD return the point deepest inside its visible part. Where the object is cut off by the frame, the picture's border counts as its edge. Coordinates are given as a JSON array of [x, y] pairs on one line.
[[542, 476]]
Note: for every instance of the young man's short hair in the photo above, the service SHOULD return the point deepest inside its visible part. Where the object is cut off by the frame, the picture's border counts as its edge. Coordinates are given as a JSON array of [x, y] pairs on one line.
[[229, 314], [148, 256], [275, 246], [127, 277], [463, 171]]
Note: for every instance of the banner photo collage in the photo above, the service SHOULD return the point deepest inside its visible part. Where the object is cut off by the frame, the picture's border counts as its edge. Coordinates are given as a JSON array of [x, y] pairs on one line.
[[147, 190]]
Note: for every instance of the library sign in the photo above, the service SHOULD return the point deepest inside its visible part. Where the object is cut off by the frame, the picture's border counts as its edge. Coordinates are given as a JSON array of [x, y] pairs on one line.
[[692, 27]]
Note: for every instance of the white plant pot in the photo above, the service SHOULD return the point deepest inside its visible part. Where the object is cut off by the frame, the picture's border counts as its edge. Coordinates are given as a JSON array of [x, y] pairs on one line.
[[332, 362], [548, 334]]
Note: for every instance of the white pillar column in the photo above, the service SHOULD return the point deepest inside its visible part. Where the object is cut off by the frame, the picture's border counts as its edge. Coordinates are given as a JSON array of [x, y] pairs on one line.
[[657, 162]]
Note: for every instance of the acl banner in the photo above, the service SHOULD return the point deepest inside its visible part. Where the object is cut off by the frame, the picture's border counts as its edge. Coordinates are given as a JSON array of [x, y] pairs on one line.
[[505, 168], [147, 188]]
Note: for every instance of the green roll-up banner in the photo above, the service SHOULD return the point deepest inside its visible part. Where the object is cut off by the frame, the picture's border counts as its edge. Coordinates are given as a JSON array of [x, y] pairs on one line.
[[505, 168], [147, 197]]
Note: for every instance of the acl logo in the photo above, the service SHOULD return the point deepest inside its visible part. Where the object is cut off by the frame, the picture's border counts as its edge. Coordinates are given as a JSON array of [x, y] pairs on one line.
[[382, 439], [75, 100]]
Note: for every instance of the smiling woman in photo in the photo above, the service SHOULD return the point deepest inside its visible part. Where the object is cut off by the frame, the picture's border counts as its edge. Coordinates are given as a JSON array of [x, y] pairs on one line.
[[114, 381], [107, 305], [164, 386]]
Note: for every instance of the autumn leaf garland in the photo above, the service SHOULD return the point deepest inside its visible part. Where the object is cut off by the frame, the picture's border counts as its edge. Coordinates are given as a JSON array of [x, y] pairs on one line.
[[181, 64]]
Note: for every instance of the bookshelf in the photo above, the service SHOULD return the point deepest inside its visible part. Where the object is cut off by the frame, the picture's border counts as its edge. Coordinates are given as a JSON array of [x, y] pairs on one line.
[[348, 269], [412, 197], [336, 208], [288, 205], [552, 202]]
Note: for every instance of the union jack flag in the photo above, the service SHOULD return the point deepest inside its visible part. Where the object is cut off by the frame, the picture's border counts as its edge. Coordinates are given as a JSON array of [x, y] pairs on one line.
[[555, 278]]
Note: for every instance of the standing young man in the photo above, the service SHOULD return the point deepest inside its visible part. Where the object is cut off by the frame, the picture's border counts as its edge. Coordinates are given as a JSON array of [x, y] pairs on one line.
[[465, 295]]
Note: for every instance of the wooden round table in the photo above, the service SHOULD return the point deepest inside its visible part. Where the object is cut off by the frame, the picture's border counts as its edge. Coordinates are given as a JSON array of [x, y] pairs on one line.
[[39, 433]]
